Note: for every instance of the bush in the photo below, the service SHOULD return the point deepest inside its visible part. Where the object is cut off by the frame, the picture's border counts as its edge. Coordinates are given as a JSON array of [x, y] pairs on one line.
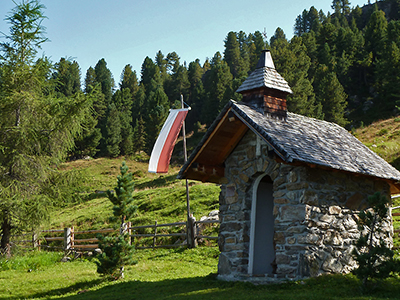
[[116, 253]]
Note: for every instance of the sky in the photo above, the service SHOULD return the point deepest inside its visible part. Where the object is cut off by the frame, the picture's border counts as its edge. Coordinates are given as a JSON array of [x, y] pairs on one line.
[[126, 31]]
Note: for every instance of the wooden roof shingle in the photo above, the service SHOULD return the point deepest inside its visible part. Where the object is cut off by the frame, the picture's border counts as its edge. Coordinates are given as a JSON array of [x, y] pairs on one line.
[[265, 75]]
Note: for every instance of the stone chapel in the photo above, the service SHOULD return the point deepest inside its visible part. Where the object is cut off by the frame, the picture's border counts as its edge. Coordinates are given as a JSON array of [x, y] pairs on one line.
[[291, 186]]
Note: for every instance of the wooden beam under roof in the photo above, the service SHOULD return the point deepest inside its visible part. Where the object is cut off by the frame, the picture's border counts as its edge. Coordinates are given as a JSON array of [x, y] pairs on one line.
[[216, 149]]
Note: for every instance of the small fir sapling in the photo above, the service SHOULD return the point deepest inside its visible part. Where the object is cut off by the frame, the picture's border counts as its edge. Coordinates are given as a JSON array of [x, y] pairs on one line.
[[372, 253], [116, 250]]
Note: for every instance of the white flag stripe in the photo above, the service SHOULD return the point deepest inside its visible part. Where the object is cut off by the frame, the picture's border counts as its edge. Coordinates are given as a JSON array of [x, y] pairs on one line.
[[160, 154]]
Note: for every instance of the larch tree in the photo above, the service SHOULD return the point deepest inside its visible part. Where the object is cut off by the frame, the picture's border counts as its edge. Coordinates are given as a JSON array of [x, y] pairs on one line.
[[36, 128]]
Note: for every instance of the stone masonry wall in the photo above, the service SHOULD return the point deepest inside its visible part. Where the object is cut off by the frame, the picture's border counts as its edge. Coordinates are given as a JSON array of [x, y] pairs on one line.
[[314, 210]]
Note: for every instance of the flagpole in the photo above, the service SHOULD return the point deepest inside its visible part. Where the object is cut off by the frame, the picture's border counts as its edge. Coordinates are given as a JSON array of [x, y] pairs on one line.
[[190, 233]]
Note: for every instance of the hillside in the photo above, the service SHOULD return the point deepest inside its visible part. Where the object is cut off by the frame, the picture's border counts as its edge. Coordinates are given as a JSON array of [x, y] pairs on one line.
[[160, 198], [383, 137]]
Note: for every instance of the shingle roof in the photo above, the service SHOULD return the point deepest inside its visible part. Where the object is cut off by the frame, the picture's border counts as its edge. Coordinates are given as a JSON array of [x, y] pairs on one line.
[[302, 139], [265, 75]]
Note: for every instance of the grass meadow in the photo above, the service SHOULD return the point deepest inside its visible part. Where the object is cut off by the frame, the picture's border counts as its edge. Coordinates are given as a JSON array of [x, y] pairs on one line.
[[166, 274]]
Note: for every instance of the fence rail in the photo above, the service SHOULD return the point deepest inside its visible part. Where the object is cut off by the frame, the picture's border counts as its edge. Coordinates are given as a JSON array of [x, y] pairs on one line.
[[68, 236], [70, 242]]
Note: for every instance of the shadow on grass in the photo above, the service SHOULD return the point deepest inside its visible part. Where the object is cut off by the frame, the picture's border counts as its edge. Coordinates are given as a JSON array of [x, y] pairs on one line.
[[58, 292], [157, 182], [208, 287]]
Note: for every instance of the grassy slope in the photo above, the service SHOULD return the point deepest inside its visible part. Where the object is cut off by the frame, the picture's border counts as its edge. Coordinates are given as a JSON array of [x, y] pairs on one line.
[[383, 137], [160, 198]]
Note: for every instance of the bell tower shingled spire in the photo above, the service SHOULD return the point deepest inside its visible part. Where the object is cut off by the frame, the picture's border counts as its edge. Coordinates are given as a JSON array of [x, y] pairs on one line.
[[265, 89]]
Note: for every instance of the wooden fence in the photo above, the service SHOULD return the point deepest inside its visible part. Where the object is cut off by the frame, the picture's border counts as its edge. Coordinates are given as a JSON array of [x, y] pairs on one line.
[[396, 214], [66, 239]]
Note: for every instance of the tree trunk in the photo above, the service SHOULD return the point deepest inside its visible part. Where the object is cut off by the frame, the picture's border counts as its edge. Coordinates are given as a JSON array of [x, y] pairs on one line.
[[5, 239]]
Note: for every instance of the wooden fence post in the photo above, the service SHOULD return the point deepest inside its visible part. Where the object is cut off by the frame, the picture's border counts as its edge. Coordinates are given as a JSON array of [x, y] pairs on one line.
[[35, 241], [129, 224], [67, 239], [72, 237], [123, 228], [191, 232], [154, 237]]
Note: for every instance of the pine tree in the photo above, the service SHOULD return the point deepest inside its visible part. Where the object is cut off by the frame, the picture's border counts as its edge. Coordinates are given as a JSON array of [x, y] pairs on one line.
[[179, 84], [105, 79], [327, 35], [292, 62], [173, 62], [86, 144], [376, 34], [330, 93], [149, 72], [393, 33], [139, 136], [278, 37], [90, 80], [387, 81], [341, 6], [68, 77], [129, 80], [161, 63], [244, 42], [139, 105], [116, 251], [218, 85], [157, 108], [232, 56], [196, 93], [123, 103], [300, 26], [112, 132]]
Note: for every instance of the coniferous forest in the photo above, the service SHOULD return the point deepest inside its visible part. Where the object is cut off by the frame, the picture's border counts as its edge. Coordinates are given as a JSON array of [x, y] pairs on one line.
[[342, 67]]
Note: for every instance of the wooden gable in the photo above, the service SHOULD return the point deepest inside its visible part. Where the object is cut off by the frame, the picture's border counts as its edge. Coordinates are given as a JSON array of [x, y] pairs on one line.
[[208, 164]]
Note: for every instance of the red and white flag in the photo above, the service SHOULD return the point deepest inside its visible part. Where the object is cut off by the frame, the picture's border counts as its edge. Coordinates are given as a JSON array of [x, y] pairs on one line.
[[162, 150]]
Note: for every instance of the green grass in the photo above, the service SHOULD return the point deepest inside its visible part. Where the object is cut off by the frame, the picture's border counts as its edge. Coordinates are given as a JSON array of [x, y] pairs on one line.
[[32, 261], [382, 137], [160, 198], [172, 274]]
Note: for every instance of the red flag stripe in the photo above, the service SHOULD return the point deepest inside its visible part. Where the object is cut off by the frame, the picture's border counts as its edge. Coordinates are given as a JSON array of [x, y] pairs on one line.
[[159, 160]]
